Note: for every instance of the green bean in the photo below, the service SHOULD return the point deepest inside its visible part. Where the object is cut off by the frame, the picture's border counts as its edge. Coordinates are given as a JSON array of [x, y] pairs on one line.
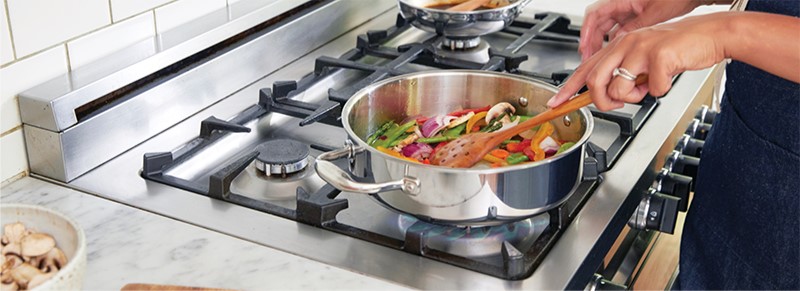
[[492, 123], [385, 142], [393, 134], [399, 139], [436, 139], [455, 131], [493, 127], [381, 130], [565, 147], [516, 158]]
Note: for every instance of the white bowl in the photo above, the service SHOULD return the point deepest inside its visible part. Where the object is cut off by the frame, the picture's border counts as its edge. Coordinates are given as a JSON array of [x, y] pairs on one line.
[[68, 235]]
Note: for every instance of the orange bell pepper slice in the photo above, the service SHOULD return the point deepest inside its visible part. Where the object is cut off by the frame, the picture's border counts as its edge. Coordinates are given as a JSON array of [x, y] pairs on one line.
[[500, 153]]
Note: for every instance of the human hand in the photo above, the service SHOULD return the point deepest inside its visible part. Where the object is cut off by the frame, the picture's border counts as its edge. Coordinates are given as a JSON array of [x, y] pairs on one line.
[[660, 51], [618, 17]]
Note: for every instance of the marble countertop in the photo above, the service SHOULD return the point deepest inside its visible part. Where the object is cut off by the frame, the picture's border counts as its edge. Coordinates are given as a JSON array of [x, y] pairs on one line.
[[128, 245]]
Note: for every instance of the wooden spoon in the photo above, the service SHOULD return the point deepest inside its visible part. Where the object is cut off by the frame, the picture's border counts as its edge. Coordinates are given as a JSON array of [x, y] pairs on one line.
[[468, 5], [469, 149]]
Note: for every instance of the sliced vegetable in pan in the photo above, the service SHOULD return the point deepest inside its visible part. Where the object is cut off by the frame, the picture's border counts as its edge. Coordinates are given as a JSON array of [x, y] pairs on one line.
[[418, 139]]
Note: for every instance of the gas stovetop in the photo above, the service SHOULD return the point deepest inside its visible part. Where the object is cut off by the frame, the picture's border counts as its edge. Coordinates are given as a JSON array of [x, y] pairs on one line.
[[245, 178], [213, 169]]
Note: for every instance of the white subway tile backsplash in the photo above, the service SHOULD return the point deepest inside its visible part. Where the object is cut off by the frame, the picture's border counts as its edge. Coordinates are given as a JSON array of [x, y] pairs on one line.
[[181, 12], [23, 75], [121, 9], [269, 8], [238, 8], [110, 39], [6, 50], [12, 155], [38, 24]]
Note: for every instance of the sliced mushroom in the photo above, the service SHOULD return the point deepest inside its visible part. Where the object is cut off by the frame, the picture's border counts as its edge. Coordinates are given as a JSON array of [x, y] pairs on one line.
[[39, 279], [6, 278], [23, 274], [37, 244], [53, 260], [10, 286], [11, 261], [461, 119], [12, 249], [14, 232], [500, 108], [507, 123], [28, 258]]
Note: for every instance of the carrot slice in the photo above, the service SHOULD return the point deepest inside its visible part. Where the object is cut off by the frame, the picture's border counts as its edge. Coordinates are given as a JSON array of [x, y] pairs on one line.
[[500, 153]]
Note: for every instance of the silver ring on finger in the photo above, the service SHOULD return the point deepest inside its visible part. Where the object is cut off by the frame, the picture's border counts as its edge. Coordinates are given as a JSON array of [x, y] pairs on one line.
[[625, 74]]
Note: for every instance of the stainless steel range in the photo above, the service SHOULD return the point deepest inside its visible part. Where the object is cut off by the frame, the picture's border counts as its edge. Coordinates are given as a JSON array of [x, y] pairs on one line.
[[226, 139]]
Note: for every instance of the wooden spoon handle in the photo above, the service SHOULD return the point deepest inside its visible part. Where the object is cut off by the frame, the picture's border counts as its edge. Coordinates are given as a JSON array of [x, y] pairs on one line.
[[467, 6], [570, 105]]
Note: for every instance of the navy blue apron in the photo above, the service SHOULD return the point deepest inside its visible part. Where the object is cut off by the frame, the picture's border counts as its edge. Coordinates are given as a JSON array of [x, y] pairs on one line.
[[742, 230]]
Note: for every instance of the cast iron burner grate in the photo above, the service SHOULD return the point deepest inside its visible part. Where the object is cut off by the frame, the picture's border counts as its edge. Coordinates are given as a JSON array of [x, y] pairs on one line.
[[319, 208], [544, 27]]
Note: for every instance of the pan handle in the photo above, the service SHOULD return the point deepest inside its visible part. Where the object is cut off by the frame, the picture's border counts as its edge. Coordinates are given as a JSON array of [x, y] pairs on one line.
[[341, 180]]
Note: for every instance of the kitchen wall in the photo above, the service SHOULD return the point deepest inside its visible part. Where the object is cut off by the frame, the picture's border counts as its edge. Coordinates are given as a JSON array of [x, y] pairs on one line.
[[44, 39]]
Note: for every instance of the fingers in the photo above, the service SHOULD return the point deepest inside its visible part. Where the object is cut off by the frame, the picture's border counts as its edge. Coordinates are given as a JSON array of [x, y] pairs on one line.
[[624, 90], [661, 74], [632, 24], [568, 89], [600, 78], [592, 37]]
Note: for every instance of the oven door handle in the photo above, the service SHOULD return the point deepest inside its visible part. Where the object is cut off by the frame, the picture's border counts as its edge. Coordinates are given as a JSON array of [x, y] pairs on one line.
[[342, 180]]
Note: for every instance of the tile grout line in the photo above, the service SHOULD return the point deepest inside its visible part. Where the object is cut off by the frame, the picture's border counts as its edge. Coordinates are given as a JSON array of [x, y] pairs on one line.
[[10, 33], [10, 131], [156, 38], [110, 12], [75, 37]]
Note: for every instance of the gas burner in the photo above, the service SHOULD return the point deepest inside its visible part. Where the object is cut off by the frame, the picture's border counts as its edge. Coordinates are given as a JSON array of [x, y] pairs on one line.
[[281, 156], [476, 242], [468, 49], [460, 43]]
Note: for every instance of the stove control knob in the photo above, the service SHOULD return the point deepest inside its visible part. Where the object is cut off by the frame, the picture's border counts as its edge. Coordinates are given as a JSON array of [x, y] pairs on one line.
[[656, 211], [690, 146], [698, 129], [682, 164], [674, 184], [705, 115]]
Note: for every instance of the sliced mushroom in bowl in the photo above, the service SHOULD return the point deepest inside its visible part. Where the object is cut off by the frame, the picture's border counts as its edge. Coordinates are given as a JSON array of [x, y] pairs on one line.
[[41, 249]]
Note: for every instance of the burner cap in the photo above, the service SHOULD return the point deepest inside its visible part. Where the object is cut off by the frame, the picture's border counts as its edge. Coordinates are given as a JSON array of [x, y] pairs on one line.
[[281, 156], [473, 49], [454, 44]]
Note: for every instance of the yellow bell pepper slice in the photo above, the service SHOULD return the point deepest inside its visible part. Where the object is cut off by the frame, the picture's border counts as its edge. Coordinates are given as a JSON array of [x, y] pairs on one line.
[[495, 160], [474, 120], [545, 130]]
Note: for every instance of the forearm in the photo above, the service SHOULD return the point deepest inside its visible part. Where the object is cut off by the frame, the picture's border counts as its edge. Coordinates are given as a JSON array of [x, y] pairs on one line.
[[769, 42], [715, 2]]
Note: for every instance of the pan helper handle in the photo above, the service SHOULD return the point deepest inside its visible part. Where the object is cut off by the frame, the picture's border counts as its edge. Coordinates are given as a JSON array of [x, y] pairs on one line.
[[340, 179]]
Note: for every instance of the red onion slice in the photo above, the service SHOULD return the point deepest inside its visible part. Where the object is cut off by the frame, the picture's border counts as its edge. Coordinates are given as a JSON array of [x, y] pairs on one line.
[[417, 150], [549, 145], [432, 126]]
